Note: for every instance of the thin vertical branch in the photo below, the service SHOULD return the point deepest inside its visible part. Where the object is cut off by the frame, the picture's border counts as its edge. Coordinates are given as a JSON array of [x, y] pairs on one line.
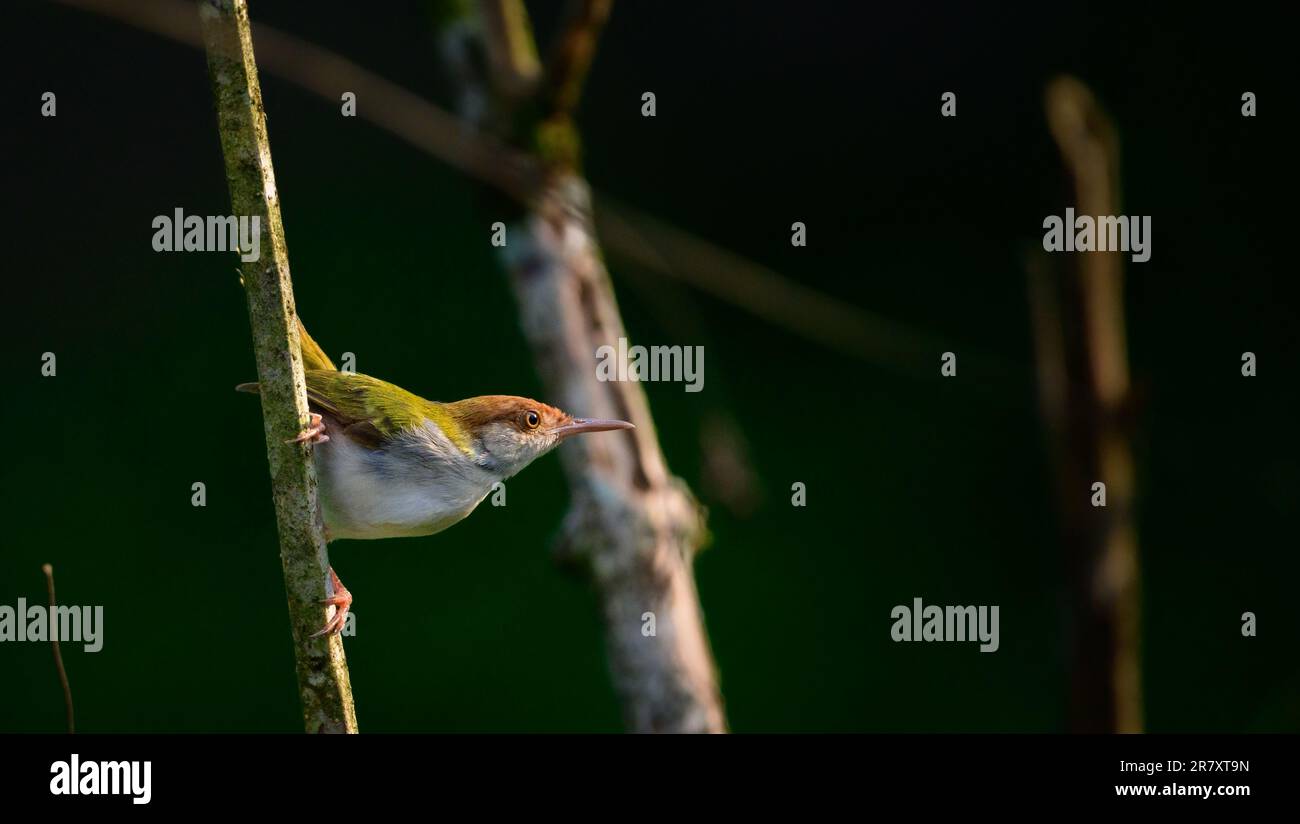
[[54, 643], [570, 60], [323, 681], [1083, 368], [511, 56]]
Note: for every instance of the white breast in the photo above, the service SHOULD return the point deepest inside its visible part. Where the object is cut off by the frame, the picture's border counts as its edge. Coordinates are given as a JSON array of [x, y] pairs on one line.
[[418, 485]]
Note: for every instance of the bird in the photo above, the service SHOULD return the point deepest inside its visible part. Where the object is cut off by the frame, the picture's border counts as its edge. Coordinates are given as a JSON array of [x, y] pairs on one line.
[[391, 464]]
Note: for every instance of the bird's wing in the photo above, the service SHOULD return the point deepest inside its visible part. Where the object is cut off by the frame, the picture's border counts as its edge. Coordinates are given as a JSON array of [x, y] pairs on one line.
[[371, 411]]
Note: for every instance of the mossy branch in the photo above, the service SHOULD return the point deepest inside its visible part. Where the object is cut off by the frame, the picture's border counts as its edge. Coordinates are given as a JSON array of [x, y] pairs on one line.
[[323, 681]]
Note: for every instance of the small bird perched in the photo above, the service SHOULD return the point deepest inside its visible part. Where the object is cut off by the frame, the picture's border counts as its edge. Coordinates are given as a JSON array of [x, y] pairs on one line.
[[392, 464]]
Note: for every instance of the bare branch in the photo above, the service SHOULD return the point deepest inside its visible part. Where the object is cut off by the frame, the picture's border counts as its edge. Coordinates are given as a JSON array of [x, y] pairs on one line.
[[570, 59], [512, 54], [635, 526], [1083, 367], [668, 251], [54, 642]]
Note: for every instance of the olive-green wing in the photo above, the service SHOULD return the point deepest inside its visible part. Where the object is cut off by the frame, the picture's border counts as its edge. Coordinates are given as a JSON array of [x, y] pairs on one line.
[[371, 410]]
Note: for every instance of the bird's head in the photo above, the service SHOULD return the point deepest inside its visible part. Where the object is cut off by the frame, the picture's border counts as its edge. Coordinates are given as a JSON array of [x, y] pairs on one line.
[[507, 433]]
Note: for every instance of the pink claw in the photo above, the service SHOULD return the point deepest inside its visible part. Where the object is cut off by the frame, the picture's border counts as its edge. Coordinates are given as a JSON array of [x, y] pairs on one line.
[[341, 601], [314, 433]]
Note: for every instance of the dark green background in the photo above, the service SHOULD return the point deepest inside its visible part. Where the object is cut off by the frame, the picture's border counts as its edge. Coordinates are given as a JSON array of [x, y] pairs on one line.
[[767, 113]]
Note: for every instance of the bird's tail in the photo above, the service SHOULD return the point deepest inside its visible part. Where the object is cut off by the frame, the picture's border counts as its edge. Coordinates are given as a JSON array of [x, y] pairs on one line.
[[313, 357]]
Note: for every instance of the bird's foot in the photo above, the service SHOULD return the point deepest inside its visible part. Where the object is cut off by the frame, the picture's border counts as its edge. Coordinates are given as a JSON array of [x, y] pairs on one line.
[[341, 600], [314, 433]]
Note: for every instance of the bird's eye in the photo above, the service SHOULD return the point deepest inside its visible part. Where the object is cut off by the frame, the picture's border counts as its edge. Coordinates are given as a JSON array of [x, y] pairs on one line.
[[532, 420]]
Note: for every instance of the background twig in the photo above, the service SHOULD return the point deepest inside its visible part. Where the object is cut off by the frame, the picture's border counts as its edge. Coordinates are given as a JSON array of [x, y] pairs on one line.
[[1084, 382], [54, 643], [509, 41], [566, 69], [635, 237], [323, 681]]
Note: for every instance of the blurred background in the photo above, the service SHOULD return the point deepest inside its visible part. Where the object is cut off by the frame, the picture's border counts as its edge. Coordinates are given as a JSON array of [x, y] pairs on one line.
[[767, 113]]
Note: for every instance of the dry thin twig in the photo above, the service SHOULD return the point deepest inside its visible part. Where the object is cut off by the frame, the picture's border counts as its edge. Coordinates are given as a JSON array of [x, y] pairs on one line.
[[570, 60], [54, 643]]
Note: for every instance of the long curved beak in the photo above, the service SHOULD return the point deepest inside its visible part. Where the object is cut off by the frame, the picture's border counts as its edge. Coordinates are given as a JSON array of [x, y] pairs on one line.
[[579, 425]]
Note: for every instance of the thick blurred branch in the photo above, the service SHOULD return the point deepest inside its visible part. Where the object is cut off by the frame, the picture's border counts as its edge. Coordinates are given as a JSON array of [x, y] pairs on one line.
[[633, 524], [323, 681], [1084, 382]]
